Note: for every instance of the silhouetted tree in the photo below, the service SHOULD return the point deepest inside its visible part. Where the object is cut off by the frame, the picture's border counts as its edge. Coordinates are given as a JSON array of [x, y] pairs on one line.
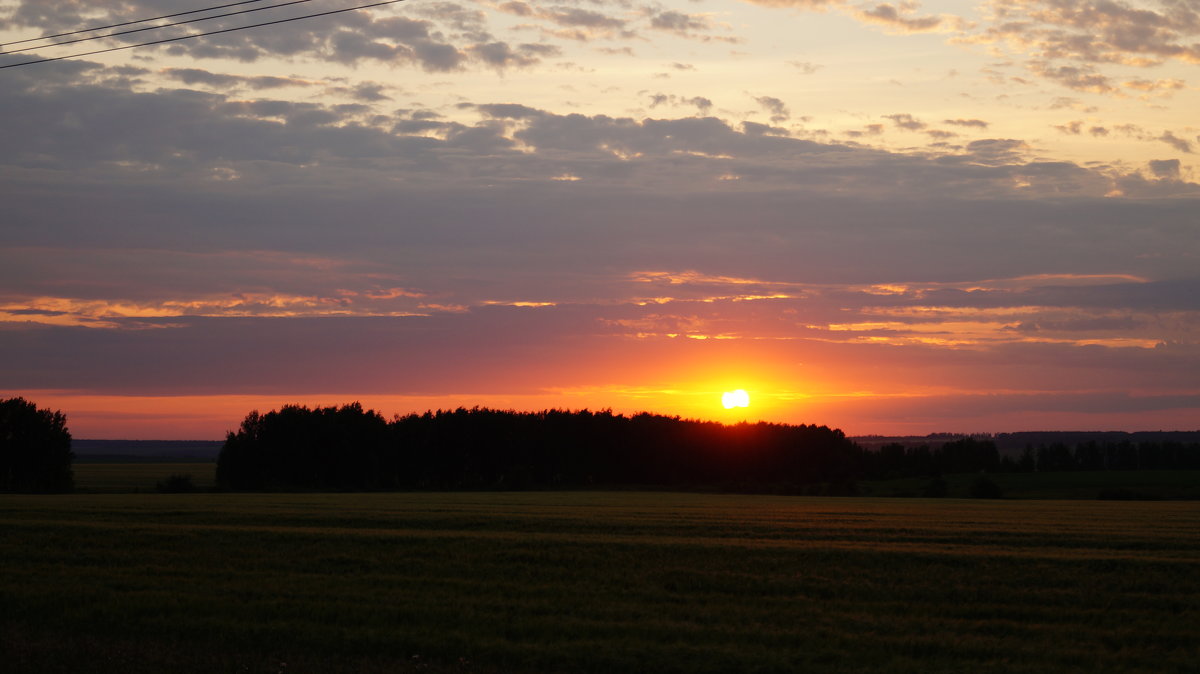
[[301, 448], [1089, 456], [1028, 461], [35, 448], [968, 455], [1055, 457]]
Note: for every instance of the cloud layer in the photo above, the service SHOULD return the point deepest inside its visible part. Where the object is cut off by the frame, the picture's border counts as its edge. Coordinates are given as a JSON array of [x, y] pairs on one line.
[[462, 202]]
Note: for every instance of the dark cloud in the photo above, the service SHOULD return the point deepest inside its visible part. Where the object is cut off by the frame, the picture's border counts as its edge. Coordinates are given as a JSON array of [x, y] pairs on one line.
[[226, 81], [907, 122], [997, 150], [1165, 168], [702, 104], [1176, 142], [678, 22], [1073, 128], [898, 18], [778, 109], [501, 55], [510, 110], [973, 123]]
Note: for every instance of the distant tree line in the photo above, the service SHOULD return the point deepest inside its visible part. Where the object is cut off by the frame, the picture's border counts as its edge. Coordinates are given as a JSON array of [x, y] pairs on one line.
[[349, 448], [976, 455]]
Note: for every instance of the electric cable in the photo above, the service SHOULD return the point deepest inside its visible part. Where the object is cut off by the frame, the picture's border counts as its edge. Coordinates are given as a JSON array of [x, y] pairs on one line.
[[129, 23], [165, 25], [195, 35]]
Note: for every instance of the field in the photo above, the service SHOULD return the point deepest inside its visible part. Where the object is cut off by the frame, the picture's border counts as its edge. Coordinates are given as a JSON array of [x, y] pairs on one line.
[[595, 582], [125, 477], [1135, 484]]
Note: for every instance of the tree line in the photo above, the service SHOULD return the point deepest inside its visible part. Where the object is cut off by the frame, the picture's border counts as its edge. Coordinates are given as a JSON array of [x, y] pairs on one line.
[[349, 448], [977, 455]]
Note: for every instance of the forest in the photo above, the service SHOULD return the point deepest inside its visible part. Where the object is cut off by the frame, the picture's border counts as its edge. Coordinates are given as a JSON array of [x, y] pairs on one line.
[[349, 448]]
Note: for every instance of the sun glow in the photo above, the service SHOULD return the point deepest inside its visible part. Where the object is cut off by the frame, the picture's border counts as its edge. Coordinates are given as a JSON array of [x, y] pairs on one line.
[[736, 398]]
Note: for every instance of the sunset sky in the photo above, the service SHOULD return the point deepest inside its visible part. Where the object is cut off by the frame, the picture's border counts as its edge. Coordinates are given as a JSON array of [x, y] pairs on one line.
[[892, 218]]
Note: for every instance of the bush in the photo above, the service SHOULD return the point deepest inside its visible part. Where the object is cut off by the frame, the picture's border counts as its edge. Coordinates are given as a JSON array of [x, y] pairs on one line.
[[983, 487], [35, 448], [177, 484]]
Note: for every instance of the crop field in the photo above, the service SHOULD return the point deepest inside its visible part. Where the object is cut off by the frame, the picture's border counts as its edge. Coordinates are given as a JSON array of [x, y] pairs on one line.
[[595, 582]]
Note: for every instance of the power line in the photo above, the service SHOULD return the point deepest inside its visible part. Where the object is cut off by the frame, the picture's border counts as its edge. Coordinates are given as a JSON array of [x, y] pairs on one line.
[[129, 23], [165, 25], [212, 32]]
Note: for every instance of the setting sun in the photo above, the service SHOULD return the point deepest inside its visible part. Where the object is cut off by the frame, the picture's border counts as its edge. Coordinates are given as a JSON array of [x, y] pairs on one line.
[[737, 398]]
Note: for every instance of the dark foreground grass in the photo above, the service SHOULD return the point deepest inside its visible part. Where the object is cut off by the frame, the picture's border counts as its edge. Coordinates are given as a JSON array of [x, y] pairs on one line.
[[595, 582]]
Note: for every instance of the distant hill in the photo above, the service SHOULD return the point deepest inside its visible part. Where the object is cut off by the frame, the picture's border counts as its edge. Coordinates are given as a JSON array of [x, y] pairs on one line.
[[146, 450]]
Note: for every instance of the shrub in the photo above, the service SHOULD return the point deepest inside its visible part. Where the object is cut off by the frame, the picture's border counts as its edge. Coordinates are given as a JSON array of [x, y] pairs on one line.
[[177, 484]]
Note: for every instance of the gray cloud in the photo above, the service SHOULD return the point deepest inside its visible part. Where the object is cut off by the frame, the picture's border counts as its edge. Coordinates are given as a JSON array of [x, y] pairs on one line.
[[972, 123], [226, 81], [1165, 168], [898, 18], [778, 109], [907, 122], [1176, 142]]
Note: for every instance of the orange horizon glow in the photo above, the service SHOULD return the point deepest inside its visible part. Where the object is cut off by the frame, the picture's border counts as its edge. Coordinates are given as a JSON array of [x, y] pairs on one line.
[[201, 417]]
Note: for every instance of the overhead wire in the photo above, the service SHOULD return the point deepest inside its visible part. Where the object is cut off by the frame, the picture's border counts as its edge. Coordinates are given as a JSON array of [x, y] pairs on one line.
[[165, 25], [129, 23], [196, 35]]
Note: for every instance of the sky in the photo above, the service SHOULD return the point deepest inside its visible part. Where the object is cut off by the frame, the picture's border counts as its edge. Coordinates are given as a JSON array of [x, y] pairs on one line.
[[890, 218]]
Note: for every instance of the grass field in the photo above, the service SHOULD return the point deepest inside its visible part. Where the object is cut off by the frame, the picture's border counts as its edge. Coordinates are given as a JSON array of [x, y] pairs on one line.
[[595, 582], [127, 477]]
